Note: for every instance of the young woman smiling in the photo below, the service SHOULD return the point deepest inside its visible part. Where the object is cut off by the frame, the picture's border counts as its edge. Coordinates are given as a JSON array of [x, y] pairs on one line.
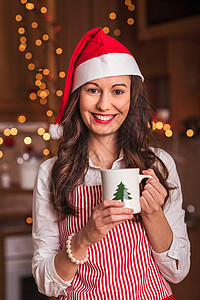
[[86, 248]]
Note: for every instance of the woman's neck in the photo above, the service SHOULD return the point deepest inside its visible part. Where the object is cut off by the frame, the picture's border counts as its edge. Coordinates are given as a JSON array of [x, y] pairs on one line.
[[103, 151]]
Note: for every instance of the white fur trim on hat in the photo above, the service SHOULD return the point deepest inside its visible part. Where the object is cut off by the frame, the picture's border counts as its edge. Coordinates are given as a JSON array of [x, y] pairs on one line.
[[106, 65], [56, 131]]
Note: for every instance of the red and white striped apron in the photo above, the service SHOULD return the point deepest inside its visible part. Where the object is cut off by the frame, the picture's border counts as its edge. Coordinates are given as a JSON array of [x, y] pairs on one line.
[[120, 266]]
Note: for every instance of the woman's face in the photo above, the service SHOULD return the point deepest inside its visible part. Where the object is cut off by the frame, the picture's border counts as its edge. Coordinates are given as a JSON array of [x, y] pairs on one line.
[[104, 104]]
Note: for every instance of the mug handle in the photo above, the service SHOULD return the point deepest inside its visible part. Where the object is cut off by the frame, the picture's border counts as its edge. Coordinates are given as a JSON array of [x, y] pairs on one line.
[[141, 177]]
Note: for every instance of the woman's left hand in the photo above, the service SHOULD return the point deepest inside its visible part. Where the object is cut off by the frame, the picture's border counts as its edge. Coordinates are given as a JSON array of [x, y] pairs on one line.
[[154, 194]]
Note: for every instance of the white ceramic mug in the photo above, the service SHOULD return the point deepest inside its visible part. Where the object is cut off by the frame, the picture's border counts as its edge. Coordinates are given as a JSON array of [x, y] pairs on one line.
[[123, 184]]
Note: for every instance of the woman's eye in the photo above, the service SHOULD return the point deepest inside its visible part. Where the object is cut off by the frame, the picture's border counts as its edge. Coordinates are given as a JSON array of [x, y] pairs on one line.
[[92, 91], [118, 92]]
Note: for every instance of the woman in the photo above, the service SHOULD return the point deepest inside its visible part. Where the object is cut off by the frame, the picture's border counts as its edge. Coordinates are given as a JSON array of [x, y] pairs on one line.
[[86, 248]]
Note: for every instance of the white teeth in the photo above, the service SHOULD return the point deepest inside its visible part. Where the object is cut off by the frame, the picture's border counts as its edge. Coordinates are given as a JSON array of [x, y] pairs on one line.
[[103, 118]]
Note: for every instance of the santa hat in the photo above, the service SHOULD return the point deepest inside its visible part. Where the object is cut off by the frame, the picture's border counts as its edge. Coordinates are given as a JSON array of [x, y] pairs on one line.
[[97, 55]]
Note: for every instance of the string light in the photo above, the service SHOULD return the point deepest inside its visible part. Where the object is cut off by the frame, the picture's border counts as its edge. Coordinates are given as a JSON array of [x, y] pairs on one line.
[[46, 72], [168, 133], [41, 131], [14, 131], [43, 101], [159, 125], [18, 18], [112, 16], [43, 10], [28, 55], [166, 127], [33, 96], [23, 1], [22, 119], [22, 39], [34, 25], [128, 2], [62, 74], [45, 37], [38, 76], [59, 93], [49, 113], [131, 7], [6, 132], [46, 136], [42, 86], [46, 151], [29, 220], [59, 51], [130, 21], [27, 140], [31, 66], [190, 132], [30, 6], [38, 82], [38, 42], [21, 30], [1, 154], [117, 32], [106, 30], [1, 140]]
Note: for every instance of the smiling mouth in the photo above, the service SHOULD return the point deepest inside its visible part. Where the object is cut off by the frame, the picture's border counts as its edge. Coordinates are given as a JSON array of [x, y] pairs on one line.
[[103, 117]]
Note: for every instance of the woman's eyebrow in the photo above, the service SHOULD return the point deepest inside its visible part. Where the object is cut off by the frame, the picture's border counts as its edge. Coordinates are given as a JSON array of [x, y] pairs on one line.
[[119, 84], [91, 83]]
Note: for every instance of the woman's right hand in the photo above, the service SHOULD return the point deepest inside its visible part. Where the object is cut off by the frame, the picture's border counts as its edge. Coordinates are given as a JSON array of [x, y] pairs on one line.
[[105, 216]]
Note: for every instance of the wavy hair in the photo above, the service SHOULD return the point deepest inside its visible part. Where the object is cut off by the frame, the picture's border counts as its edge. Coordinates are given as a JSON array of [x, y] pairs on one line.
[[134, 137]]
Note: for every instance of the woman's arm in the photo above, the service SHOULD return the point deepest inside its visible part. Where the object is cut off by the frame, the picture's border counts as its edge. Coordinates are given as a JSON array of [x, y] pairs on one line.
[[166, 228]]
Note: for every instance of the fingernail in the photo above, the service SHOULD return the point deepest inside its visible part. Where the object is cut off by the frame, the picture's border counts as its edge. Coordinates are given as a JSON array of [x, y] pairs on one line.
[[131, 210]]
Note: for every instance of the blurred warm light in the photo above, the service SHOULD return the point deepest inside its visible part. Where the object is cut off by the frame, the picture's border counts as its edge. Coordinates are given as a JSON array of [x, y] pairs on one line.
[[43, 93], [32, 96], [41, 131], [28, 55], [1, 154], [117, 32], [130, 21], [43, 10], [21, 119], [46, 71], [46, 136], [18, 18], [45, 37], [29, 220], [46, 151], [23, 1], [22, 47], [42, 86], [168, 133], [31, 66], [190, 132], [166, 127], [112, 16], [59, 93], [14, 131], [43, 101], [59, 51], [1, 141], [38, 76], [153, 125], [62, 74], [49, 113], [34, 25], [38, 42], [27, 140], [29, 6], [22, 39], [6, 132], [131, 7], [159, 125], [106, 30], [38, 82], [21, 30], [128, 2]]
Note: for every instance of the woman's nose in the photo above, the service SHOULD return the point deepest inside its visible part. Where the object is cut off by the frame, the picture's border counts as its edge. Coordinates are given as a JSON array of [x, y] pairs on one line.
[[104, 102]]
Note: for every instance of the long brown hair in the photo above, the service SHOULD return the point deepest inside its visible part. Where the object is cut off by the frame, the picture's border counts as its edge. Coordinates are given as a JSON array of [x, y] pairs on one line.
[[134, 138]]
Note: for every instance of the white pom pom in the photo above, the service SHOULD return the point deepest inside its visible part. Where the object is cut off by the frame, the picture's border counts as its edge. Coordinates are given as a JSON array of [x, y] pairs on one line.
[[56, 131]]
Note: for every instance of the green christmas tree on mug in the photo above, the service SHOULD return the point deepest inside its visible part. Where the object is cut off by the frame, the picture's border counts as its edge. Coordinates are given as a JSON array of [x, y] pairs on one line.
[[121, 193]]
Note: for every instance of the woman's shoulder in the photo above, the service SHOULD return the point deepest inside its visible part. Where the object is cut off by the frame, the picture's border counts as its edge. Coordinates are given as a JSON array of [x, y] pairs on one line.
[[164, 156], [47, 165]]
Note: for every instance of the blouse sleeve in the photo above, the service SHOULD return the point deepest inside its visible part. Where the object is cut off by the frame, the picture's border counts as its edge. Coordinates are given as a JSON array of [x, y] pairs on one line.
[[174, 263], [45, 235]]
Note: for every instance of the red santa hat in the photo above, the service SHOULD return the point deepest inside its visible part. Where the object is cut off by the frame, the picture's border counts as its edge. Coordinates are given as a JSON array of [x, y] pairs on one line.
[[97, 55]]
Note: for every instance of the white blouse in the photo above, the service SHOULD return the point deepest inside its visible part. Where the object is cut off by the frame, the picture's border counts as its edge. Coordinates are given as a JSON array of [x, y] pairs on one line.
[[46, 233]]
